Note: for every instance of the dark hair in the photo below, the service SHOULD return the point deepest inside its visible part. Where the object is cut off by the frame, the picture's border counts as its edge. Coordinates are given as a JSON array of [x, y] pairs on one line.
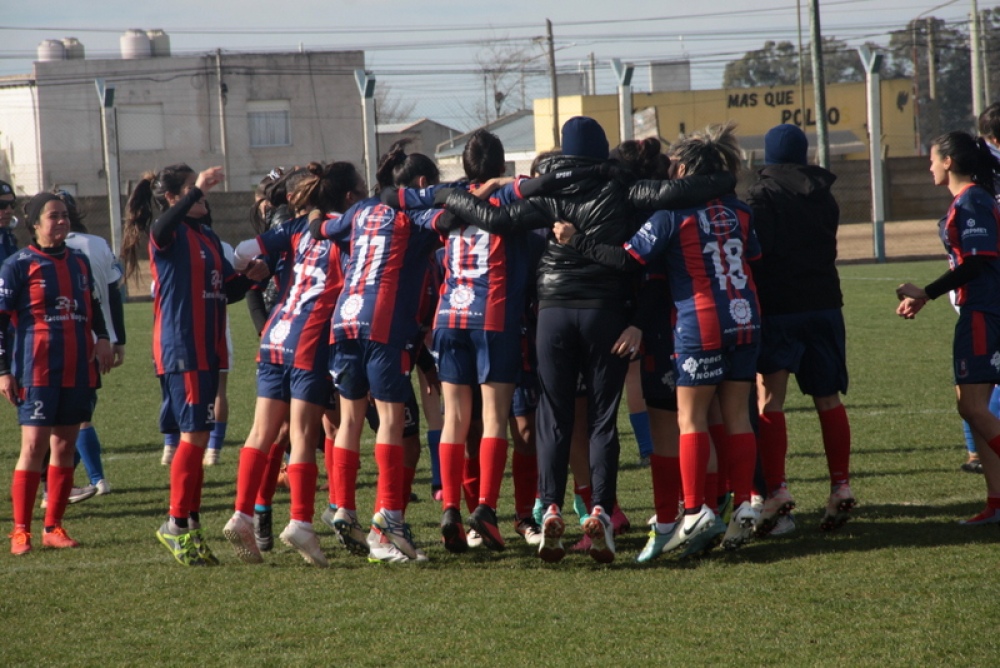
[[643, 158], [483, 157], [989, 121], [258, 219], [396, 168], [325, 187], [139, 208], [539, 159], [75, 217], [712, 150], [970, 157]]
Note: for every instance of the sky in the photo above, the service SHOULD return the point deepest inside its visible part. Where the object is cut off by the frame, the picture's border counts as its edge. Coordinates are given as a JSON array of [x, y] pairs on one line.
[[429, 53]]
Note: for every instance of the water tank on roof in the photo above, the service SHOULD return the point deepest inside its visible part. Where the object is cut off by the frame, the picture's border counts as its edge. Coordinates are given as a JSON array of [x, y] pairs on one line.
[[51, 49], [159, 43], [135, 44], [74, 48]]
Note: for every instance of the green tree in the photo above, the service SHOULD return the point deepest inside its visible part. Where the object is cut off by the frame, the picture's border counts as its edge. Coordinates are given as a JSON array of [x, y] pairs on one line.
[[777, 64]]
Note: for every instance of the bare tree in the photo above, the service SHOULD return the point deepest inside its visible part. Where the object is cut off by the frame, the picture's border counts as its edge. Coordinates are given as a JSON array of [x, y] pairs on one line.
[[503, 67], [390, 108]]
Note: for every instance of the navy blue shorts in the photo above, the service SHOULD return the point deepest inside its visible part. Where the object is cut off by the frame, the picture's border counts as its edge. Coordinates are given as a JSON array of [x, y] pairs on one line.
[[55, 406], [475, 356], [657, 372], [525, 399], [976, 350], [284, 383], [711, 367], [360, 367], [411, 416], [188, 401], [812, 345]]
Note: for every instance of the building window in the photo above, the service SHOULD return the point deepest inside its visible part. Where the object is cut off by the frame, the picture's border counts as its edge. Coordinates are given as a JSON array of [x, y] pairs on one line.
[[270, 123], [140, 127]]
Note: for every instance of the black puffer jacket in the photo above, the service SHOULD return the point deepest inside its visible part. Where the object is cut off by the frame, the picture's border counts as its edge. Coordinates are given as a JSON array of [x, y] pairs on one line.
[[796, 218], [607, 209]]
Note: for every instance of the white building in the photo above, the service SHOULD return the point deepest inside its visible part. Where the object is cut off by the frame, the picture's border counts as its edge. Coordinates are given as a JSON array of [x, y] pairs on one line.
[[280, 109]]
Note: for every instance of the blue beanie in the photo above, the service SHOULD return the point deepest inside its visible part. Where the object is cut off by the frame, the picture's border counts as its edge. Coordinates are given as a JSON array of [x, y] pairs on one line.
[[785, 143], [584, 137]]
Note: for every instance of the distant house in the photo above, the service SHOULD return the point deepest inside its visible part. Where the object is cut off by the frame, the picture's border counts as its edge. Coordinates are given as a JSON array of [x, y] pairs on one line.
[[280, 109], [425, 133], [516, 131]]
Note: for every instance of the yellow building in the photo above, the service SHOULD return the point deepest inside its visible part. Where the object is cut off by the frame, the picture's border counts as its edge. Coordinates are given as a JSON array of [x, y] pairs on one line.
[[755, 110]]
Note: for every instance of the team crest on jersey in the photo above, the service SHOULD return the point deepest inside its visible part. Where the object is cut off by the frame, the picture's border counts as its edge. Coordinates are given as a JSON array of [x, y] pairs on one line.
[[351, 307], [462, 297], [995, 361], [280, 332], [718, 220], [669, 380], [4, 290], [962, 369], [690, 366], [741, 311]]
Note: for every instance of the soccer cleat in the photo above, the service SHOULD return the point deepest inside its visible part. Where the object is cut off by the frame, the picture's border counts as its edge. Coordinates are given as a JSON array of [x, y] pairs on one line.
[[620, 521], [598, 528], [300, 536], [785, 525], [452, 532], [705, 542], [988, 516], [757, 502], [527, 528], [349, 531], [484, 522], [725, 509], [779, 505], [551, 549], [538, 511], [688, 528], [838, 508], [580, 508], [381, 549], [396, 532], [473, 538], [655, 543], [168, 455], [211, 457], [204, 551], [582, 545], [644, 461], [263, 532], [973, 465], [239, 532], [740, 529], [58, 538], [437, 494], [20, 542], [103, 487], [78, 494], [180, 545]]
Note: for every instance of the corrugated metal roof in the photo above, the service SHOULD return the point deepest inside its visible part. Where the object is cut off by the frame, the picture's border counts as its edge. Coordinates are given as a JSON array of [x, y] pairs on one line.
[[516, 131]]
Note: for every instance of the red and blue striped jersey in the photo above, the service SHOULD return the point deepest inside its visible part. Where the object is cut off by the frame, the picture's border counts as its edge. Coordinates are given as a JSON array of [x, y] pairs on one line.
[[707, 251], [189, 301], [49, 299], [384, 273], [972, 227], [298, 332]]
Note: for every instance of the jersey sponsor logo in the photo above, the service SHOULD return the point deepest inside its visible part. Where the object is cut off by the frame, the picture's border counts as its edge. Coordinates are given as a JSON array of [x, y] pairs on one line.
[[704, 368], [70, 306], [741, 311], [669, 380], [962, 368], [718, 220], [351, 307], [646, 234], [462, 297], [280, 332], [4, 290], [974, 232]]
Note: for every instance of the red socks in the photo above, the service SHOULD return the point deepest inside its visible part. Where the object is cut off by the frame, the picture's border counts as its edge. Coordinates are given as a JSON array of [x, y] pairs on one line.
[[302, 481], [409, 473], [345, 477], [720, 439], [185, 474], [694, 452], [60, 483], [492, 462], [252, 465], [269, 481], [585, 493], [452, 458], [772, 444], [742, 462], [470, 482], [525, 473], [390, 476], [331, 478], [23, 490], [837, 443], [666, 472]]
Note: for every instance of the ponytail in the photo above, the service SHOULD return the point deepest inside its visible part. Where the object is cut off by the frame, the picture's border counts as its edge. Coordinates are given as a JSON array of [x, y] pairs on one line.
[[396, 168], [139, 209], [969, 157]]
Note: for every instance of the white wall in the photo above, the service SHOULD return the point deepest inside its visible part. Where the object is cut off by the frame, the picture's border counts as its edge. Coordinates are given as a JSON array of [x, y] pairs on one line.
[[18, 139]]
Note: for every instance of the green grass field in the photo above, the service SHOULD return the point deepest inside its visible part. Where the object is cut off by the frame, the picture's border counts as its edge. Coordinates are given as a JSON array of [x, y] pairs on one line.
[[901, 584]]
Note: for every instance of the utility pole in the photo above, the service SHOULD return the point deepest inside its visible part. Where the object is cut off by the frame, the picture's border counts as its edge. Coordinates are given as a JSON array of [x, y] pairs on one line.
[[626, 126], [987, 94], [872, 60], [366, 86], [592, 76], [555, 85], [916, 85], [223, 90], [977, 62], [819, 86], [802, 64], [112, 172], [932, 79]]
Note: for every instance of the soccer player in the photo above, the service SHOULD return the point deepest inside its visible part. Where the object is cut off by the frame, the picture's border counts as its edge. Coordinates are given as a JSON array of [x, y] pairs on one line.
[[970, 232], [716, 335], [8, 242], [193, 282], [293, 380], [49, 371]]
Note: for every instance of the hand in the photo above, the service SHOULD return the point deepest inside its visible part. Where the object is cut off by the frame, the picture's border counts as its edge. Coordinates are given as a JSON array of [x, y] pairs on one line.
[[912, 291], [257, 270], [628, 343], [433, 382], [210, 178], [119, 352], [10, 390], [104, 355], [909, 307], [484, 190], [563, 231]]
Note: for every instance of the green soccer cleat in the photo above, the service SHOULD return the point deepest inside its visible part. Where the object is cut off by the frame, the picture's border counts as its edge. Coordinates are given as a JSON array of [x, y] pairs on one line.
[[180, 545]]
